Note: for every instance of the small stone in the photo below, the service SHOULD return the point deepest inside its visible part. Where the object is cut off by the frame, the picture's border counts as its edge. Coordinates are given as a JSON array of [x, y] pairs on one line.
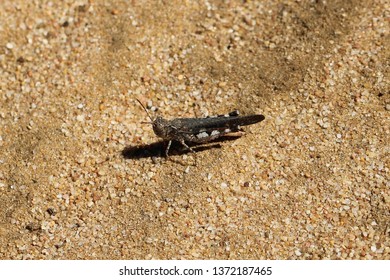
[[20, 60], [51, 211], [80, 118], [9, 46], [278, 121], [149, 240], [222, 84]]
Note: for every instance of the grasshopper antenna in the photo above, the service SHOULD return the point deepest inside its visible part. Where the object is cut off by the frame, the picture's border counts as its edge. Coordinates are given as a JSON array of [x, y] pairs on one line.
[[145, 111]]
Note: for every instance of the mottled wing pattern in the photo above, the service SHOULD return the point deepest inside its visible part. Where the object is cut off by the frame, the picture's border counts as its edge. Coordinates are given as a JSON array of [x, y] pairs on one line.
[[206, 129]]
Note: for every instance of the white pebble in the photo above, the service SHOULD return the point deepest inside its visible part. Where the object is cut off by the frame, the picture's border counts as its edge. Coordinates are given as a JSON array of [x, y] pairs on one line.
[[80, 118], [9, 46]]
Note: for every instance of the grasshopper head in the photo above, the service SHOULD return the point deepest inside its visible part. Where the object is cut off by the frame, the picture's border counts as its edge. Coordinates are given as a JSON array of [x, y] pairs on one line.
[[161, 128]]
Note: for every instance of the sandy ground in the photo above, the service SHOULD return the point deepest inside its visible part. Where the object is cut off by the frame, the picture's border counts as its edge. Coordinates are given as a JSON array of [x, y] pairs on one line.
[[82, 178]]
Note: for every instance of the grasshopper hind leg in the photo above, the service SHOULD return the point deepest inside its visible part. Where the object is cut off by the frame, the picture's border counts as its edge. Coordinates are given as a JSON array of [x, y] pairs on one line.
[[181, 142], [186, 146], [190, 149]]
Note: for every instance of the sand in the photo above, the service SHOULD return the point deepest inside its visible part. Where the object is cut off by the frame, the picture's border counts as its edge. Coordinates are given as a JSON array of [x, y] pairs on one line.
[[81, 177]]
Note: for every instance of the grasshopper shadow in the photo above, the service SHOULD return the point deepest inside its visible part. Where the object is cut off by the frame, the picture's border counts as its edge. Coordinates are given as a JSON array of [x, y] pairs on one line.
[[157, 149]]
